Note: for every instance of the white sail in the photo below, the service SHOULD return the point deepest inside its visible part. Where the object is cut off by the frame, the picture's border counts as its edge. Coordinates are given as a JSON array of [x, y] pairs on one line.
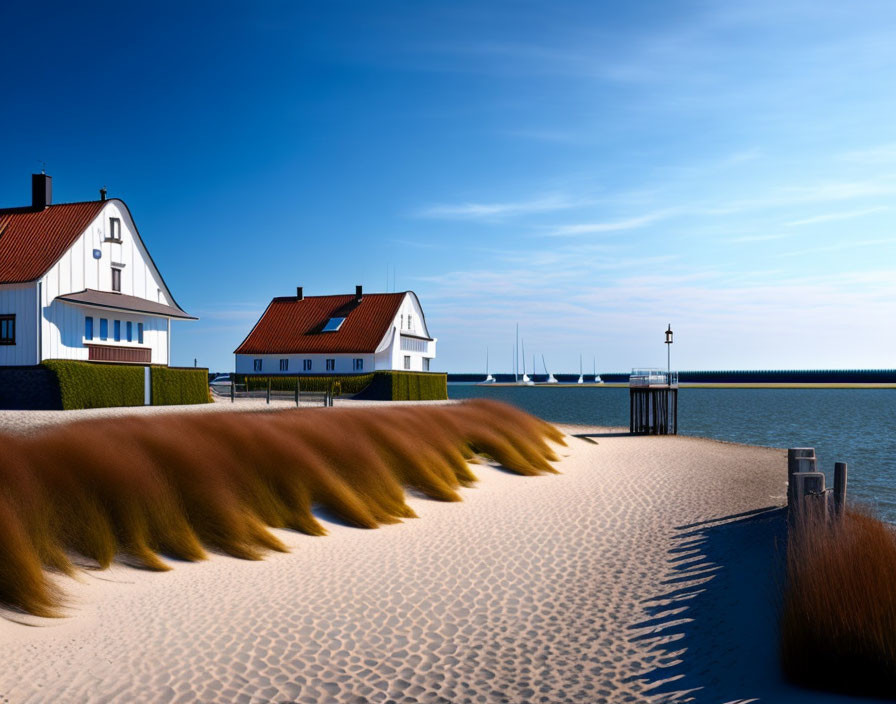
[[597, 379], [551, 379], [526, 379], [489, 379], [581, 376]]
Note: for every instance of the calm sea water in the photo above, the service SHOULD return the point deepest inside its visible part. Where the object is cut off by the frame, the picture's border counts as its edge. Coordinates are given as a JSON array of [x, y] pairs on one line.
[[857, 426]]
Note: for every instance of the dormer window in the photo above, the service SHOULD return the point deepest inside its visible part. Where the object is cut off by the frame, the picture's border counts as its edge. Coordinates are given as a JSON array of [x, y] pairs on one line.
[[333, 324], [115, 229]]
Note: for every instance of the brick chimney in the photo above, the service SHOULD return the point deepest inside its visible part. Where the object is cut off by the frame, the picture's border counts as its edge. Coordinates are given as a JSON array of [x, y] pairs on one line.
[[41, 191], [299, 293], [359, 293]]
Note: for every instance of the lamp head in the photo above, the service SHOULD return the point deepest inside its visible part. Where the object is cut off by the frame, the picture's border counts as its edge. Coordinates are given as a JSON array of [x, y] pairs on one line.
[[669, 335]]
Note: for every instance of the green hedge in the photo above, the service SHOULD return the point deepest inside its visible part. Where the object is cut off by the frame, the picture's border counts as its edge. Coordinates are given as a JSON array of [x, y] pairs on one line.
[[407, 386], [92, 385], [380, 386], [350, 384], [174, 387]]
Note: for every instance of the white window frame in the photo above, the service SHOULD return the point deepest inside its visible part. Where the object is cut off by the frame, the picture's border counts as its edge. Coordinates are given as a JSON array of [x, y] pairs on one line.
[[407, 361], [331, 365]]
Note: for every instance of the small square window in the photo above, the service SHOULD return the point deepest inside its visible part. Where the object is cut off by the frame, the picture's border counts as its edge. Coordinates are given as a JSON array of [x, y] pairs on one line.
[[306, 365], [407, 361], [117, 329], [284, 365], [104, 329], [331, 365], [88, 327], [7, 329], [256, 365]]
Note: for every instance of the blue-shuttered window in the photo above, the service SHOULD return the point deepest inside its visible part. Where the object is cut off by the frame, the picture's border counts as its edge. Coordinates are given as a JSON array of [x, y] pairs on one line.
[[88, 327], [331, 365], [104, 329], [284, 365], [117, 328], [256, 365], [306, 365], [140, 333], [129, 326]]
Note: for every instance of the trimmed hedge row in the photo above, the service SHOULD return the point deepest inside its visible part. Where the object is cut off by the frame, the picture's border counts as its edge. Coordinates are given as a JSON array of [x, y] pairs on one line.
[[92, 385], [407, 386], [379, 386], [172, 386], [349, 384]]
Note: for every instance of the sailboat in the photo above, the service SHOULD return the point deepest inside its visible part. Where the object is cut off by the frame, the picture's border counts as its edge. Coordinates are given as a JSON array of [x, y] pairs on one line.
[[581, 379], [597, 379], [489, 379], [526, 380], [551, 379]]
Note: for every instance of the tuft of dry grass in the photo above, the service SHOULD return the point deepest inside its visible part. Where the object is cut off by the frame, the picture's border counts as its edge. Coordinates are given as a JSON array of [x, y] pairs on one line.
[[137, 488], [838, 622]]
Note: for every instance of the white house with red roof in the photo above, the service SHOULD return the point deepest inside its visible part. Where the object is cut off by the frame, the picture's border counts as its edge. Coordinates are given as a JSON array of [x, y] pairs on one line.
[[77, 282], [341, 334]]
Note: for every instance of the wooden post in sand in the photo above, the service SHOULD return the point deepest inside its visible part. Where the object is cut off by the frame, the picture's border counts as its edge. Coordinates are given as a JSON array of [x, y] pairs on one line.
[[799, 459], [839, 488], [297, 392], [269, 391]]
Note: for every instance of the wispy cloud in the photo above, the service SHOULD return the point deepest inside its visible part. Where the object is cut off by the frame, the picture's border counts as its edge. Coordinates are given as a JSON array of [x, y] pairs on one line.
[[848, 215], [759, 238], [506, 209], [840, 246], [591, 228]]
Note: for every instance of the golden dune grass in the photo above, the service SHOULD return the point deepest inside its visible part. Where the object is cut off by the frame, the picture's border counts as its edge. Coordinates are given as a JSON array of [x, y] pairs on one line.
[[838, 625], [135, 488]]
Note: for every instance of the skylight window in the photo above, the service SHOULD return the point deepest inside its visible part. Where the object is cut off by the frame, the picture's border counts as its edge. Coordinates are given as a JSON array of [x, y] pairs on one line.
[[333, 324]]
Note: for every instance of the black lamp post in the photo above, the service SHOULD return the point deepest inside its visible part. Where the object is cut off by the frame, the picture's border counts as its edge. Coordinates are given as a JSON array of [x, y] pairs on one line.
[[669, 355]]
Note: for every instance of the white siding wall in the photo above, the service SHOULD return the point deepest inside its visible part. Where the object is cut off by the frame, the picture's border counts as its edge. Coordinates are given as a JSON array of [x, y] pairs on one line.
[[410, 320], [270, 363], [20, 300], [63, 323]]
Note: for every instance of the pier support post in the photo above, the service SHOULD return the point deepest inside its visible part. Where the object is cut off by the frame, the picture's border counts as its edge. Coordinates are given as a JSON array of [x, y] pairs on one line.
[[839, 488], [799, 459], [269, 391], [808, 497], [297, 392]]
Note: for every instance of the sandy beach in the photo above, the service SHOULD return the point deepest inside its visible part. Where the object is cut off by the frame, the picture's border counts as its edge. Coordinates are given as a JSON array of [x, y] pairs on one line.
[[644, 571]]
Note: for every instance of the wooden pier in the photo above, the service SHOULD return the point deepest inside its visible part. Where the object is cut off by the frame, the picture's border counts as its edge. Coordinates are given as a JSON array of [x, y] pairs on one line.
[[653, 397]]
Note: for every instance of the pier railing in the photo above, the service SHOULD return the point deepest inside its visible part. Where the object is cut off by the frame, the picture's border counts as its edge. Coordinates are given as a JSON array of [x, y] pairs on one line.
[[652, 377]]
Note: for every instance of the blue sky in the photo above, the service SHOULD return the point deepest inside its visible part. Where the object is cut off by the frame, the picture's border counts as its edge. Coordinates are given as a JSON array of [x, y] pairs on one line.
[[590, 172]]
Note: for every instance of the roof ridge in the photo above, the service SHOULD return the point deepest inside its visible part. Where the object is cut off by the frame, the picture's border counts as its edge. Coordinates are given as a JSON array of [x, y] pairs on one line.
[[25, 209]]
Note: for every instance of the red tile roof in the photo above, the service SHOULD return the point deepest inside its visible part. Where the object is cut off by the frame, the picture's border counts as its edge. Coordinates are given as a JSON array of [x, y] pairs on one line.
[[31, 241], [293, 326]]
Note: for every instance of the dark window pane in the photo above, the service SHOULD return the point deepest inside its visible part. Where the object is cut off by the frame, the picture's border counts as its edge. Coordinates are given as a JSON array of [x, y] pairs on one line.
[[104, 329]]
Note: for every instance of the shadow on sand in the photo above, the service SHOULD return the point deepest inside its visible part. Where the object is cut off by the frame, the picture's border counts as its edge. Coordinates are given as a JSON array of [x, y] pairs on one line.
[[713, 628]]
